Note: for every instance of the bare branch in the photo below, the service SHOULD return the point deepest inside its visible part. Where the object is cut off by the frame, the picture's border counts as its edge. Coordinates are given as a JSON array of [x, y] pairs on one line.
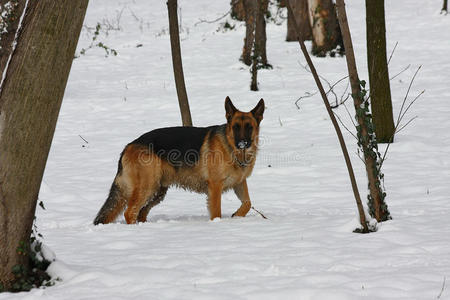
[[407, 123], [336, 83], [321, 77], [348, 112], [408, 107], [330, 88], [213, 21], [358, 153], [392, 53], [307, 95], [345, 93], [346, 128], [407, 93], [407, 67], [402, 113]]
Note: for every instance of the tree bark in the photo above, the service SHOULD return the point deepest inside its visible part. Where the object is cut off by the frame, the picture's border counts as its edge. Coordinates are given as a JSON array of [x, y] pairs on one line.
[[177, 63], [11, 22], [259, 56], [255, 30], [380, 90], [30, 100], [250, 24], [348, 162], [237, 10], [254, 77], [326, 35], [445, 6], [301, 15], [260, 30], [380, 210]]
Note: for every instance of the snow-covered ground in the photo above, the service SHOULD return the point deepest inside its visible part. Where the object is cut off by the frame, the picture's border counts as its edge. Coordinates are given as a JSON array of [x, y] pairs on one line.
[[306, 248]]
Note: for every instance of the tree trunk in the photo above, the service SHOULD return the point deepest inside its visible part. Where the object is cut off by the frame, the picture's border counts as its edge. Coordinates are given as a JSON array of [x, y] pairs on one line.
[[326, 35], [254, 51], [301, 15], [380, 90], [255, 31], [259, 44], [250, 24], [11, 22], [378, 207], [348, 162], [237, 10], [254, 71], [30, 99], [177, 64], [445, 6], [260, 31]]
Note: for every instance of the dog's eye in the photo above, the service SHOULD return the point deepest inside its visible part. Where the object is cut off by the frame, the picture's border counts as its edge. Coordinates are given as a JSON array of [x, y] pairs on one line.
[[236, 127]]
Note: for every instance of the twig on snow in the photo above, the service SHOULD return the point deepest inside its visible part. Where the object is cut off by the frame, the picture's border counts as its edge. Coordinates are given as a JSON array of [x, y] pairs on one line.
[[83, 139], [264, 217], [442, 289]]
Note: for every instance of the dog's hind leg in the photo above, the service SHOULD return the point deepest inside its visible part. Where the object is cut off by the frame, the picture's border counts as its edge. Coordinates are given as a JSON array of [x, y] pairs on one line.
[[143, 171], [151, 202], [144, 188], [241, 192], [136, 202]]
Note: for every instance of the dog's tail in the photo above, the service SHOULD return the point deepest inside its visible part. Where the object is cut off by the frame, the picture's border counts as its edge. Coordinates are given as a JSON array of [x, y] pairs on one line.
[[115, 203]]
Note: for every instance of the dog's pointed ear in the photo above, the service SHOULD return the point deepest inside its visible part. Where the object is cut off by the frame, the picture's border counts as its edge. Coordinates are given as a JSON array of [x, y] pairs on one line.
[[229, 108], [258, 111]]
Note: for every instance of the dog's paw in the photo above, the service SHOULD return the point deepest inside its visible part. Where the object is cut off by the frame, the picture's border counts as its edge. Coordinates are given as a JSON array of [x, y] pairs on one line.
[[236, 215]]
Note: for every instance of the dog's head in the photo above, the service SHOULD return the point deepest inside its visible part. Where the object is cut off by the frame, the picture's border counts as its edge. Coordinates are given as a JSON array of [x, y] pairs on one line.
[[243, 127]]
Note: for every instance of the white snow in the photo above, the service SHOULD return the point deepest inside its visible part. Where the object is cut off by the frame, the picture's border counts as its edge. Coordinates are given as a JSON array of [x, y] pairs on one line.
[[306, 248]]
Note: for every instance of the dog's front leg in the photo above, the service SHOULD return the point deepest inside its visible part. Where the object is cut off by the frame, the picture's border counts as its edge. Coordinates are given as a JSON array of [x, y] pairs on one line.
[[241, 192], [214, 199]]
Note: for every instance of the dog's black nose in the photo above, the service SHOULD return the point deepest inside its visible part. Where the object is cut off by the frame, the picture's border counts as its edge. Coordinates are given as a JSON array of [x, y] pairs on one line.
[[243, 144]]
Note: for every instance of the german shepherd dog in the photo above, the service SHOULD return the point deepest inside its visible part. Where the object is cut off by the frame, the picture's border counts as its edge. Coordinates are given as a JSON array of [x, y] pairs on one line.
[[207, 160]]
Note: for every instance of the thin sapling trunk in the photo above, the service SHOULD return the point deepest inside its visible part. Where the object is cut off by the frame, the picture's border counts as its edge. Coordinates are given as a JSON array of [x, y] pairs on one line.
[[177, 63], [366, 135], [362, 217]]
